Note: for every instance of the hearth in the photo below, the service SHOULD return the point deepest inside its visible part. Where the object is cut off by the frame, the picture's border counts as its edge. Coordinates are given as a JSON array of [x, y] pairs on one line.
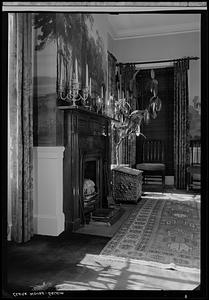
[[86, 157], [106, 216]]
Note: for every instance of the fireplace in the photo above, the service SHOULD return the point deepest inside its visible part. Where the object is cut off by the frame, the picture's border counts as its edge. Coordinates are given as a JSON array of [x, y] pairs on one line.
[[86, 165]]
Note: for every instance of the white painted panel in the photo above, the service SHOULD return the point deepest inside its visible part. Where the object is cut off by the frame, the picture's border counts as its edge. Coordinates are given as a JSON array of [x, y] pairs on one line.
[[48, 190], [47, 185]]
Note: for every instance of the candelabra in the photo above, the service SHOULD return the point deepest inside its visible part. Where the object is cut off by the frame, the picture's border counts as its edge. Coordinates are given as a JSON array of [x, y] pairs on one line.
[[73, 94], [99, 104]]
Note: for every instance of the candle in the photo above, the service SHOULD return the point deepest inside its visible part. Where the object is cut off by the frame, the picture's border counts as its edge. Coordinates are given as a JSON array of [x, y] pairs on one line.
[[101, 91], [87, 75], [118, 95], [61, 73], [76, 70], [107, 85], [123, 95], [61, 83], [120, 85], [90, 86]]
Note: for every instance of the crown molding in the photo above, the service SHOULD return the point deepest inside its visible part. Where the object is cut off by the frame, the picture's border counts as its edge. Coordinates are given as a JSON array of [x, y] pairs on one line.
[[155, 31], [112, 3], [107, 7]]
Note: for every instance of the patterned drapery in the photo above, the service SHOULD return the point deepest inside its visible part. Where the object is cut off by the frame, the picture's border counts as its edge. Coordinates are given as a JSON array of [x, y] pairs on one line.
[[20, 126], [181, 122]]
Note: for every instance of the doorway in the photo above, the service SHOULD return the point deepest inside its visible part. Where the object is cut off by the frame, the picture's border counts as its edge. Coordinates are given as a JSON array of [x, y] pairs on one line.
[[163, 126]]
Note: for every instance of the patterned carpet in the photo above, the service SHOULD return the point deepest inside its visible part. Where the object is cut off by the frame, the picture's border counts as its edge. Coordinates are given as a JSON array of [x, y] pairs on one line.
[[166, 231]]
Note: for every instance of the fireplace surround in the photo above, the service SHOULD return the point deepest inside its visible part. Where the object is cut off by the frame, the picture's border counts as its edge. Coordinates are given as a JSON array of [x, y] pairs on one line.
[[87, 145]]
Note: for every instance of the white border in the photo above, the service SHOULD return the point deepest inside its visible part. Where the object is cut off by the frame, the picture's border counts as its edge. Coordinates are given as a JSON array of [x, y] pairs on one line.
[[103, 9]]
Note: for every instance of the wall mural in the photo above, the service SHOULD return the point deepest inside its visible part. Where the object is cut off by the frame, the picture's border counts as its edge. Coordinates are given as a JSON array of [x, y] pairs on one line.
[[195, 119], [71, 39], [76, 39]]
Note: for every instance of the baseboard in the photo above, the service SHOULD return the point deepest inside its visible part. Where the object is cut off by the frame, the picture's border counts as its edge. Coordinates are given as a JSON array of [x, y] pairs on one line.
[[76, 224], [49, 225], [71, 226], [9, 232]]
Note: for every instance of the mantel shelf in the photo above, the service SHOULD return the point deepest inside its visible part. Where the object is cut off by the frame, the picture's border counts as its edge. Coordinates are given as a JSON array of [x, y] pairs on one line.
[[84, 110]]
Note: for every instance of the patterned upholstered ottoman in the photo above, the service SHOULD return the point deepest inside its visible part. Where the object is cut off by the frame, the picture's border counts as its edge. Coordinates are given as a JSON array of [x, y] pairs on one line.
[[127, 184]]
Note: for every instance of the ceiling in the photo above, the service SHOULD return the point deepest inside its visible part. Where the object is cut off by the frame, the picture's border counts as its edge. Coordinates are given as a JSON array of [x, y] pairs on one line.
[[124, 26]]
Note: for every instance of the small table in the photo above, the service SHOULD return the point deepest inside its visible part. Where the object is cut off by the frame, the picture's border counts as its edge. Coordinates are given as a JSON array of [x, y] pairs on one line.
[[127, 184]]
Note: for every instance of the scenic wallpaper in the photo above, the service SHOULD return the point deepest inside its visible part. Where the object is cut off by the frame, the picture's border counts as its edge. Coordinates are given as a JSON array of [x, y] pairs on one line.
[[60, 40], [195, 119], [75, 37]]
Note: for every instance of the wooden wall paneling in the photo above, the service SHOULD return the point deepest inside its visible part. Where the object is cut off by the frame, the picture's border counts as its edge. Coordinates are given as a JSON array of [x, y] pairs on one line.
[[68, 205]]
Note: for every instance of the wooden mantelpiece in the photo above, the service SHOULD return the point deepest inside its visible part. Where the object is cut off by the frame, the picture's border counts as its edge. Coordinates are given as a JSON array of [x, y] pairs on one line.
[[86, 137]]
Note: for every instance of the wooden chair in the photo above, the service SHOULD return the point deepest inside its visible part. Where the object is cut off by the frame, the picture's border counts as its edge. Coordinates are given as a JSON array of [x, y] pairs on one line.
[[153, 165], [194, 169]]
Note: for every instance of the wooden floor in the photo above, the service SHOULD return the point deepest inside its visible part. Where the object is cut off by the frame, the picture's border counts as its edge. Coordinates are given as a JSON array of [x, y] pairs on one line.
[[49, 259], [44, 262]]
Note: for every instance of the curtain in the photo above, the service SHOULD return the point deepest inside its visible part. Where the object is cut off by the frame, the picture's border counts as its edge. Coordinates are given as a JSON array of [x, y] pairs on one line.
[[181, 122], [20, 126]]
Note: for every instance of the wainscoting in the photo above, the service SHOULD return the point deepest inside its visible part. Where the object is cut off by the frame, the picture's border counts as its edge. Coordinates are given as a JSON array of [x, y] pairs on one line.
[[48, 191]]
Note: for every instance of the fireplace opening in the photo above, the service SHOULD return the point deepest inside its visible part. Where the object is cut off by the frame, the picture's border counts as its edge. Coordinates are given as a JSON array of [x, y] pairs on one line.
[[94, 212], [90, 174], [92, 192]]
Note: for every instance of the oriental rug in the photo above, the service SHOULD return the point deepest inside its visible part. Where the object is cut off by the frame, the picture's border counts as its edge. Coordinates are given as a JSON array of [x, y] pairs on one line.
[[163, 231]]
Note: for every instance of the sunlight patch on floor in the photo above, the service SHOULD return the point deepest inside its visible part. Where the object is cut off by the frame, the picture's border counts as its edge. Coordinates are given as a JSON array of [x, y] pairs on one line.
[[171, 196], [102, 273], [97, 284], [73, 285]]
